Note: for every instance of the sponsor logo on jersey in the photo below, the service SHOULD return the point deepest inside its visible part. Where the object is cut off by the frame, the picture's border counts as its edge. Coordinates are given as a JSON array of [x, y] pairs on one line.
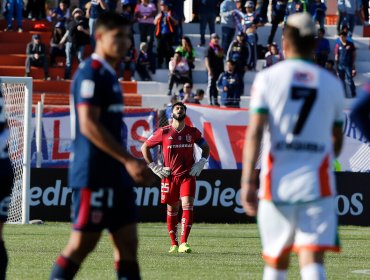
[[87, 88], [188, 138], [170, 138], [177, 146], [303, 77]]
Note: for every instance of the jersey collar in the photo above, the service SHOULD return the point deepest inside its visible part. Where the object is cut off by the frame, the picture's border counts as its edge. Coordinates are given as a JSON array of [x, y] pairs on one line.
[[104, 62]]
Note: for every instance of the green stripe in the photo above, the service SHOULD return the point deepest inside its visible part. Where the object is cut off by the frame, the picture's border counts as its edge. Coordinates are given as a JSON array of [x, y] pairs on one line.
[[259, 110]]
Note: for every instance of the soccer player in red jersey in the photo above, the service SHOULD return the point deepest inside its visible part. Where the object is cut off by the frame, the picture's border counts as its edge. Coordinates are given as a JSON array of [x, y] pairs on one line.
[[178, 171]]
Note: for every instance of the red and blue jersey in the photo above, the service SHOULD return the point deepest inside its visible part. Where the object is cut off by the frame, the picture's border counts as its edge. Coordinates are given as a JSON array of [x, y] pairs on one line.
[[96, 84]]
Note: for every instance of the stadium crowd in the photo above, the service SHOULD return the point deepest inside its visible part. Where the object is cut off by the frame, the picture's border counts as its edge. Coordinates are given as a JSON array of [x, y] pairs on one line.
[[163, 44]]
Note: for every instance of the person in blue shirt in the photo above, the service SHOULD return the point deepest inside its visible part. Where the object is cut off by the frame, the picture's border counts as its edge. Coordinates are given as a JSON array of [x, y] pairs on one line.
[[230, 86], [6, 178], [345, 56], [318, 12], [322, 49], [102, 172], [277, 16], [97, 7], [360, 114]]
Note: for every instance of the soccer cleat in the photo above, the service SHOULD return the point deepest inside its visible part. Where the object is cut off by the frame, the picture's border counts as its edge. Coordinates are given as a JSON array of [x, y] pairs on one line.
[[173, 249], [184, 248]]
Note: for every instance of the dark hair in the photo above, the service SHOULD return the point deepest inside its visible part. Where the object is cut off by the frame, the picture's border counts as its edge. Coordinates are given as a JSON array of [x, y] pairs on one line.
[[187, 39], [111, 20], [321, 30], [303, 45], [232, 62], [179, 104], [199, 91]]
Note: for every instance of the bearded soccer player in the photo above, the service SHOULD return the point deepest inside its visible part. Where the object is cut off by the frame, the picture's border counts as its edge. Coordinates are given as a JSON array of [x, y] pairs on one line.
[[178, 172], [6, 183], [102, 172], [301, 114]]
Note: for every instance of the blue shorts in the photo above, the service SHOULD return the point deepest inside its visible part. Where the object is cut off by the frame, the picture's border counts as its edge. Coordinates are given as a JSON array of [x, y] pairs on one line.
[[94, 210], [6, 184]]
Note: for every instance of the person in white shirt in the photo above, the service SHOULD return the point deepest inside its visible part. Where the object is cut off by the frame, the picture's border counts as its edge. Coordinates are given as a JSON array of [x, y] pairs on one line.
[[298, 108], [179, 71]]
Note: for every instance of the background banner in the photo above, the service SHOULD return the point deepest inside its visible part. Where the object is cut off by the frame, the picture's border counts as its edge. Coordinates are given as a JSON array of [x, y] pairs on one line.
[[223, 129], [216, 199]]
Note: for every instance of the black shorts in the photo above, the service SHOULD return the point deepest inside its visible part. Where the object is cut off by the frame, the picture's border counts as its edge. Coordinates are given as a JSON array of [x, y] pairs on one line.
[[6, 184], [94, 210]]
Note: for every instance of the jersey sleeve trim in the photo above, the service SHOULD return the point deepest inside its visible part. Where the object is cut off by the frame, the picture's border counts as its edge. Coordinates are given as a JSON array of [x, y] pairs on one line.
[[259, 111]]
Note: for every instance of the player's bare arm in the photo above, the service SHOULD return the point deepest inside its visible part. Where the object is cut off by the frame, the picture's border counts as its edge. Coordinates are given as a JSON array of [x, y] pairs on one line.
[[252, 145], [92, 129], [337, 139], [205, 150]]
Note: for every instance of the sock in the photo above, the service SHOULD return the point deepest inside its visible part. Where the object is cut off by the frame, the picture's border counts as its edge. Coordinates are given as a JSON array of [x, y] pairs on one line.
[[3, 260], [270, 273], [64, 268], [186, 222], [172, 226], [127, 270], [314, 271]]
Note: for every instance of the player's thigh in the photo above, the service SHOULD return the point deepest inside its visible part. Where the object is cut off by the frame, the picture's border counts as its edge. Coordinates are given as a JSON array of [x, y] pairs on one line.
[[170, 190], [276, 225], [81, 243], [317, 226], [188, 186], [125, 242]]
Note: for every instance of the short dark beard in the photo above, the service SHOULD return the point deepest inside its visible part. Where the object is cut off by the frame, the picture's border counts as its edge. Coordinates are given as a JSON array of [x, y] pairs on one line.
[[180, 118]]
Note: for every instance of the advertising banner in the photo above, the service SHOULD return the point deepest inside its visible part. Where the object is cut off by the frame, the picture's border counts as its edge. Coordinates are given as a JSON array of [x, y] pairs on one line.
[[223, 129], [216, 199]]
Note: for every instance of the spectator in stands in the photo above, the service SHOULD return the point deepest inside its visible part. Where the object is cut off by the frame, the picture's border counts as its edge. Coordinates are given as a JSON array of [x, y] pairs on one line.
[[132, 4], [318, 12], [186, 94], [278, 11], [262, 7], [252, 39], [165, 24], [345, 54], [60, 13], [295, 6], [329, 65], [178, 71], [251, 17], [112, 5], [178, 12], [12, 6], [129, 63], [273, 56], [56, 48], [239, 53], [145, 14], [35, 9], [187, 51], [214, 61], [97, 7], [230, 86], [207, 11], [227, 11], [365, 9], [36, 56], [322, 48], [75, 39], [143, 63], [199, 96], [347, 10]]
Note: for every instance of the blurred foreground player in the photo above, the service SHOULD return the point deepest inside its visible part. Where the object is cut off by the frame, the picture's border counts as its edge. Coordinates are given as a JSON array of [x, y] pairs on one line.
[[360, 114], [101, 173], [178, 172], [302, 121], [6, 183]]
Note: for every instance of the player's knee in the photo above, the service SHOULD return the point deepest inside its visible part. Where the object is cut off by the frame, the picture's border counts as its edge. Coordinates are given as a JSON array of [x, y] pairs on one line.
[[280, 263]]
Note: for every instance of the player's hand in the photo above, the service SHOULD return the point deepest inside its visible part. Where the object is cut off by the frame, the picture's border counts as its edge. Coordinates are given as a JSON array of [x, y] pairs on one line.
[[197, 167], [159, 170], [139, 172], [248, 198], [354, 72]]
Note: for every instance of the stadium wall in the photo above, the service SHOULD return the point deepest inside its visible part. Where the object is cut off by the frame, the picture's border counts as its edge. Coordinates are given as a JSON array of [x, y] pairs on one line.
[[217, 198]]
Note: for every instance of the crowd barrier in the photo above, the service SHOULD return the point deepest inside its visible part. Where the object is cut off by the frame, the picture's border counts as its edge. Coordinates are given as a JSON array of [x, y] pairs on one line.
[[217, 198]]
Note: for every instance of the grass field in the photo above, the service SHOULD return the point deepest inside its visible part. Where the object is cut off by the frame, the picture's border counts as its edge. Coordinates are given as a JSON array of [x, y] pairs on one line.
[[221, 251]]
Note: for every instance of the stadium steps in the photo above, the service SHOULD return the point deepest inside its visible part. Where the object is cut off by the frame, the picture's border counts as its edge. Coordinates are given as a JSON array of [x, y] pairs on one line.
[[24, 37]]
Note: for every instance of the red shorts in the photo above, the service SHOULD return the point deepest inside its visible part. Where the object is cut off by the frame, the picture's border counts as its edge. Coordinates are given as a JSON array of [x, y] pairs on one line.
[[173, 187]]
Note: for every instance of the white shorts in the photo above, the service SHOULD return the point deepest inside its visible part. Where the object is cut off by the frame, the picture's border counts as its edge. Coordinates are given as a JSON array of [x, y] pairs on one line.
[[309, 226]]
